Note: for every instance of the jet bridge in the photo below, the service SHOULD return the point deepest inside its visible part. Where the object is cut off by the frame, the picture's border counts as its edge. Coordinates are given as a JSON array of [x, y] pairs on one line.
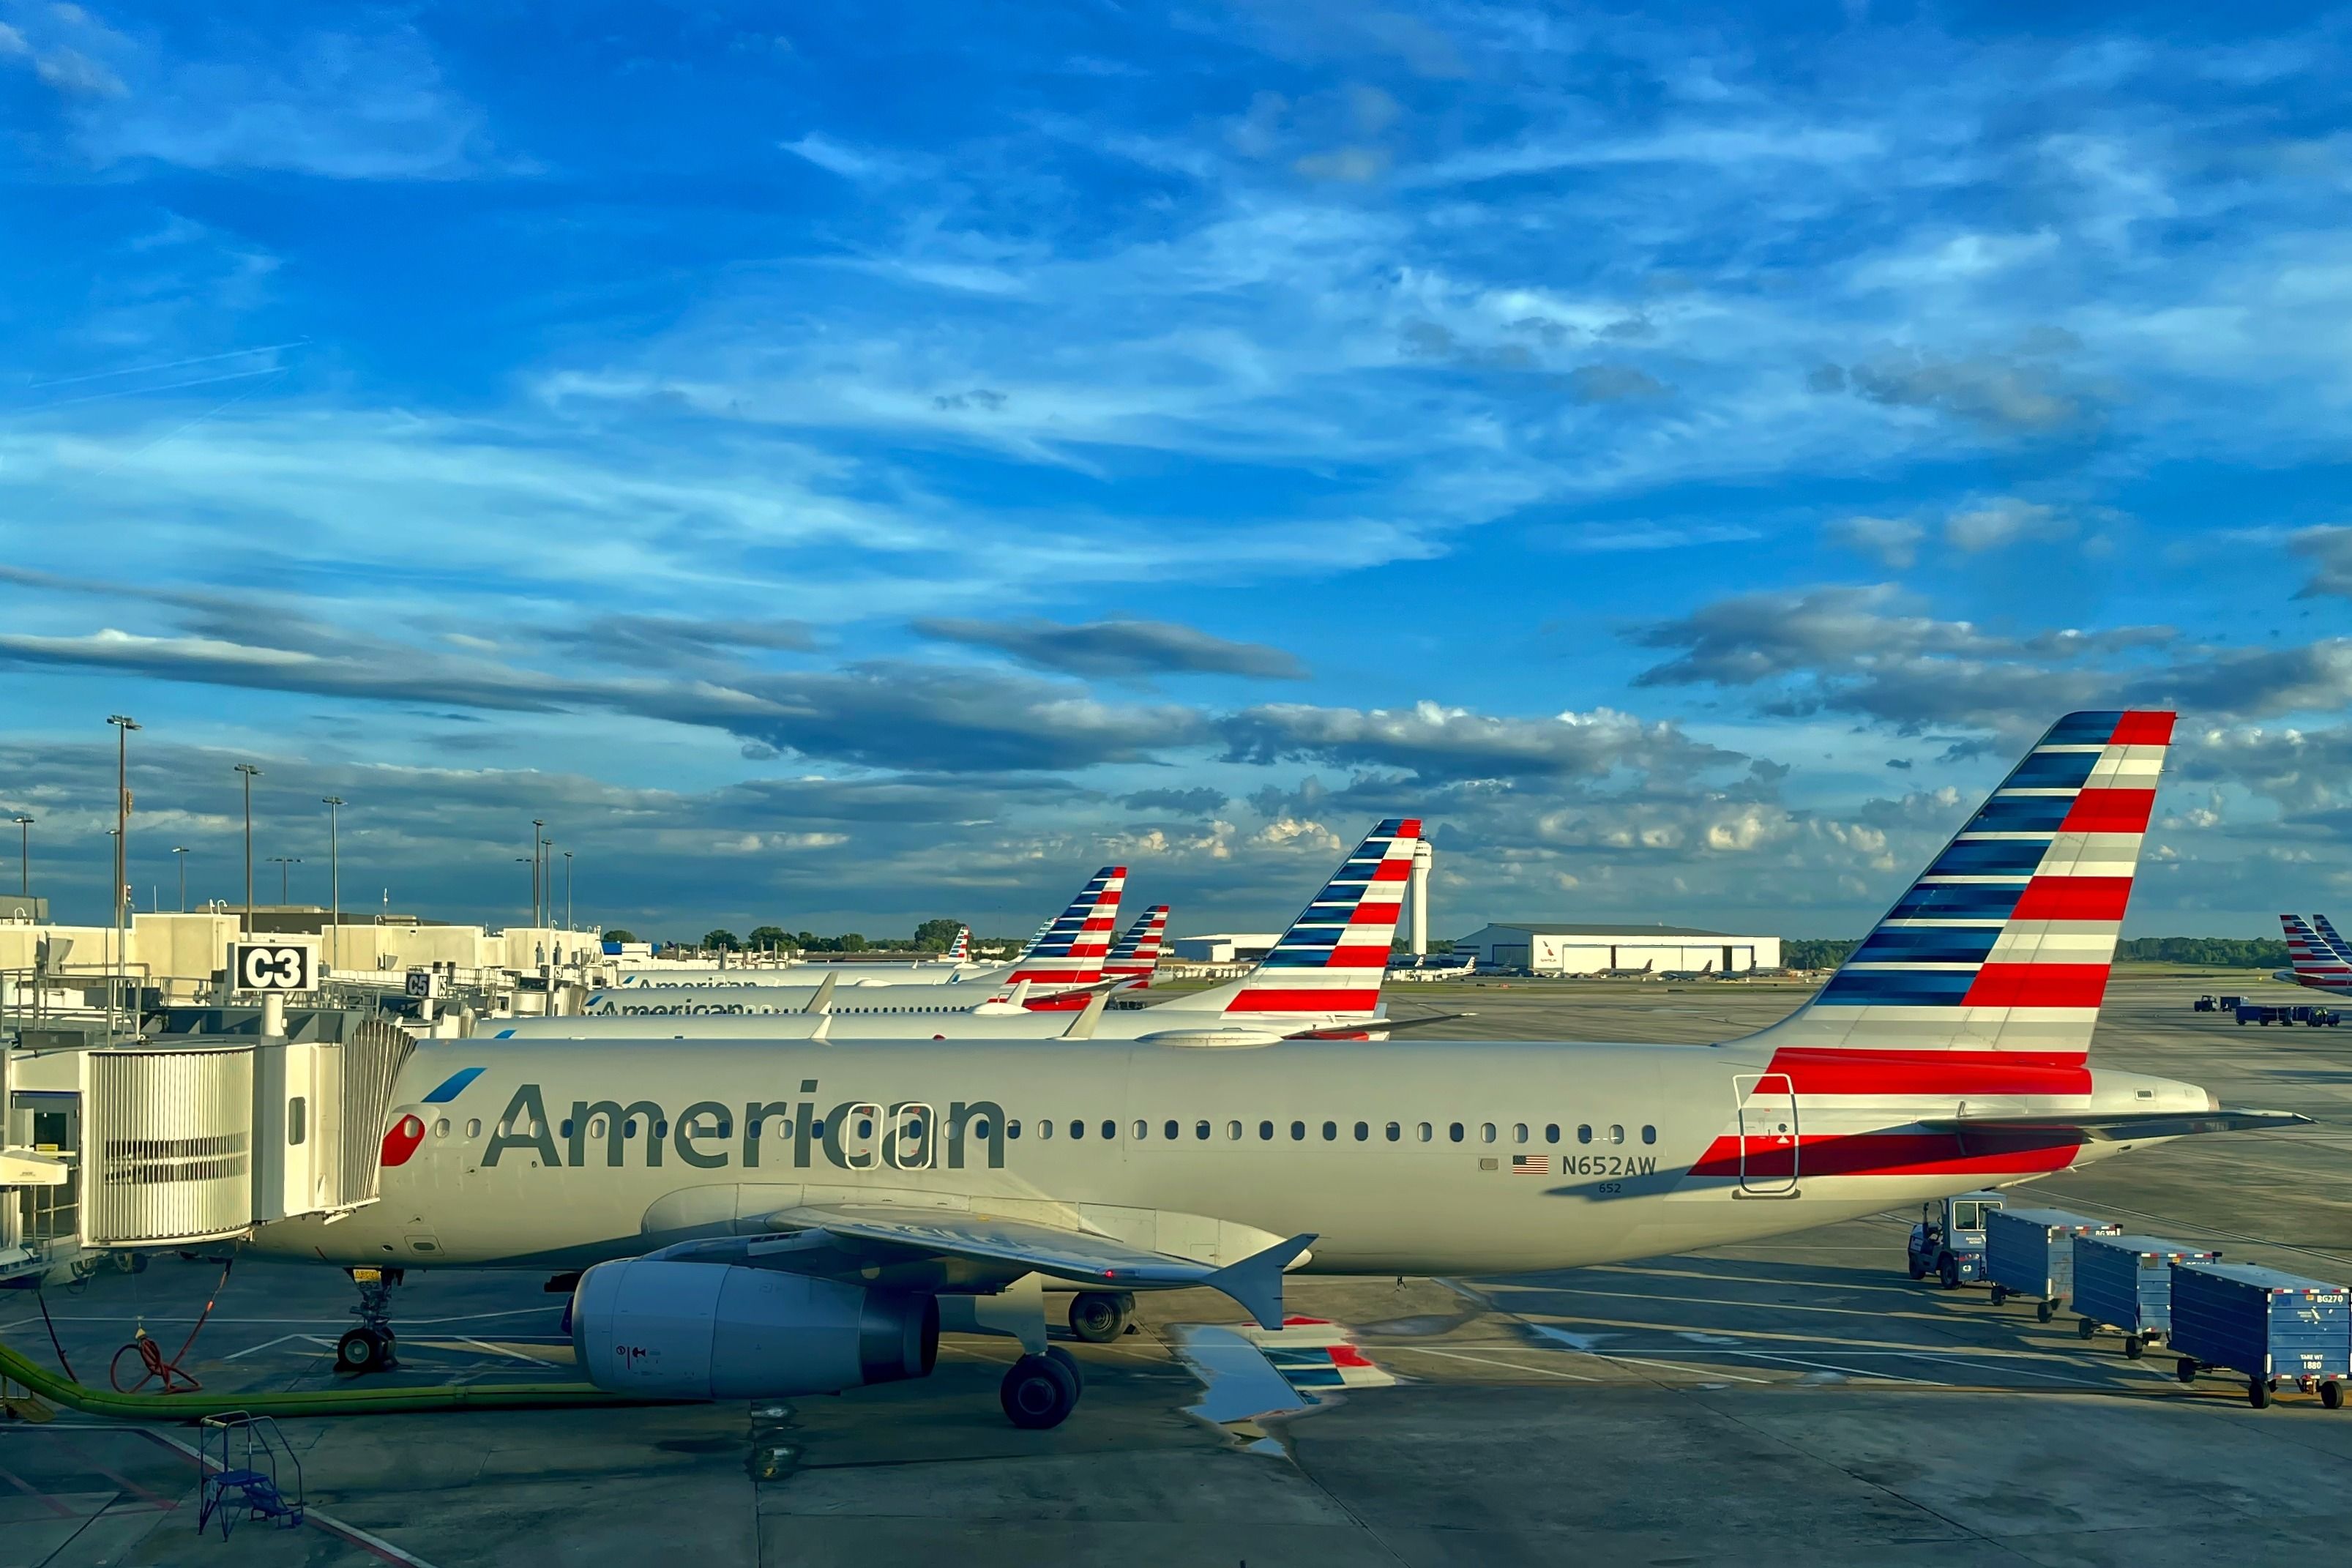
[[189, 1141]]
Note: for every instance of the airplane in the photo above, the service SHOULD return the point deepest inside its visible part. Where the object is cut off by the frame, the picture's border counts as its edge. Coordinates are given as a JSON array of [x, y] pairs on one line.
[[1136, 955], [1641, 974], [2316, 959], [1704, 971], [1323, 973], [759, 1218], [1065, 955]]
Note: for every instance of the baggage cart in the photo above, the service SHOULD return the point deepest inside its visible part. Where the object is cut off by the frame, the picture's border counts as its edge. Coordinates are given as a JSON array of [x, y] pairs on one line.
[[2279, 1329], [2031, 1253], [2125, 1282]]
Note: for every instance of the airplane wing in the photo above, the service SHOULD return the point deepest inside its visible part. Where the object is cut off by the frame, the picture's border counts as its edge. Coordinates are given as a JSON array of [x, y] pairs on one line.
[[2119, 1127], [1010, 1248]]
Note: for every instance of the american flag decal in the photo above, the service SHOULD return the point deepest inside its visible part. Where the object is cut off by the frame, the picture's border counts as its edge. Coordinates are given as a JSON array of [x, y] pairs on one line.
[[1531, 1164]]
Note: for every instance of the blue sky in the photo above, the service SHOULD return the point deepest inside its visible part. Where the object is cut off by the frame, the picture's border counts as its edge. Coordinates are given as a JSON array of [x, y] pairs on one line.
[[840, 467]]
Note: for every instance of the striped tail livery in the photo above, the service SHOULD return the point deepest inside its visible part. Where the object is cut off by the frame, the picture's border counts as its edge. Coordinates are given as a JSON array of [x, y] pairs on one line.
[[1137, 954], [1070, 950], [1330, 964], [2316, 958], [1972, 1003]]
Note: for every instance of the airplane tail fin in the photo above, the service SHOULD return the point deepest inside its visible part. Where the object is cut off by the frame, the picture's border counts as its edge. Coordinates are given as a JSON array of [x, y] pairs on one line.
[[2327, 934], [2004, 942], [2316, 959], [1137, 953], [960, 950], [1071, 949], [1336, 954]]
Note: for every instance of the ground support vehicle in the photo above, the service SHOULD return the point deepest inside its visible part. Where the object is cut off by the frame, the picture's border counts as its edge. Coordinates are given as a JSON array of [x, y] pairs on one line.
[[2279, 1329], [2031, 1253], [2125, 1282], [1948, 1242]]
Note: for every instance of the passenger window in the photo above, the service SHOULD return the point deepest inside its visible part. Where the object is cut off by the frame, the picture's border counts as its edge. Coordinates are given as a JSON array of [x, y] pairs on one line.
[[1199, 1130], [1297, 1131], [1649, 1134], [1111, 1130], [1616, 1134], [1077, 1128], [1584, 1134], [1420, 1131], [1395, 1132], [1142, 1130], [1045, 1130], [1330, 1132], [440, 1128], [1170, 1129], [474, 1127], [661, 1129], [1234, 1130], [1551, 1131], [1011, 1129], [1363, 1130], [1486, 1132], [1519, 1131], [1265, 1132], [1453, 1131]]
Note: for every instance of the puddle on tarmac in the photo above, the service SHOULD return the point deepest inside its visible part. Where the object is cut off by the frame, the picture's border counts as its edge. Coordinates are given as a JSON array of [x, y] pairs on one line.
[[1237, 1383]]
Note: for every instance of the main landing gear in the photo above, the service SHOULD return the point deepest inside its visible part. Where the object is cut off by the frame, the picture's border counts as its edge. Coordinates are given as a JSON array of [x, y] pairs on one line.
[[1098, 1317], [373, 1346], [1041, 1391]]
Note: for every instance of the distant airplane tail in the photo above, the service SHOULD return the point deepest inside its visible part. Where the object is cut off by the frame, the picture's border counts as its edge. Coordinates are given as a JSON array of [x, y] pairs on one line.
[[1071, 949], [960, 949], [1336, 954], [2004, 942], [2316, 959], [1137, 953]]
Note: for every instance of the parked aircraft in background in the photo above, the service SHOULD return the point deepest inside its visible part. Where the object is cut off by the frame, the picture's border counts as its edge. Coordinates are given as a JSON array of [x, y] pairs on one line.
[[1704, 971], [763, 1218], [1136, 955], [1323, 973], [2316, 958]]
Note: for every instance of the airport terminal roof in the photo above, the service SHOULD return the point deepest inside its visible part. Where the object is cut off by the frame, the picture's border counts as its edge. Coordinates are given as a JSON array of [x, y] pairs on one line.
[[1565, 927]]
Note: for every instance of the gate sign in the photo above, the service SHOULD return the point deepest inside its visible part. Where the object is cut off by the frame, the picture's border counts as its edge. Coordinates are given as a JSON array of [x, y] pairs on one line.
[[274, 966], [423, 982]]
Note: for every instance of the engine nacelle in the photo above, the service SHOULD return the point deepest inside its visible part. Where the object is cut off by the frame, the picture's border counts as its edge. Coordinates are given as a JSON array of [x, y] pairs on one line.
[[709, 1330]]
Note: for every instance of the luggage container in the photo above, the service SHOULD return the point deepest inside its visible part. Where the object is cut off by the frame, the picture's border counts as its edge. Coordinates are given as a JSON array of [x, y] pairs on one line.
[[2125, 1282], [2031, 1253], [2276, 1328]]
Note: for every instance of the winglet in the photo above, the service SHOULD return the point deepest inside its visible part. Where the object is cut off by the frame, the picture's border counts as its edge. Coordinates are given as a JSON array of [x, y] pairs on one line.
[[823, 1001], [1256, 1280], [1082, 1028]]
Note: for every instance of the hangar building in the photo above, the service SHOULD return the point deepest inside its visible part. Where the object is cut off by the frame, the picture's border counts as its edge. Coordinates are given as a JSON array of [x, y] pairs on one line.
[[1564, 948]]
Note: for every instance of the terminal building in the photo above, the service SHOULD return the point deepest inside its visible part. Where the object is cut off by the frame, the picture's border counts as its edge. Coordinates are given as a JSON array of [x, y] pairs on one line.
[[1545, 947]]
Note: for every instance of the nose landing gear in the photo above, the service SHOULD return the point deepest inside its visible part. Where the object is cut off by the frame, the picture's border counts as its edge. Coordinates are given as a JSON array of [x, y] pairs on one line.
[[373, 1346]]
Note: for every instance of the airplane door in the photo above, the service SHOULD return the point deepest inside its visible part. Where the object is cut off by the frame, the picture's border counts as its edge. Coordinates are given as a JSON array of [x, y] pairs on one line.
[[1768, 1133]]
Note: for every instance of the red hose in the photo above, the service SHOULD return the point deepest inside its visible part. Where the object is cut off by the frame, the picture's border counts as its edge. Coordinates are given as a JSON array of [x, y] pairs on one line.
[[151, 1355]]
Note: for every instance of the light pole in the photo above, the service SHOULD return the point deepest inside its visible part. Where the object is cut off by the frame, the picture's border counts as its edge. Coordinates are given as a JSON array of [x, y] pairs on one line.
[[533, 863], [282, 862], [567, 890], [123, 724], [25, 856], [249, 771], [180, 853], [334, 803], [537, 846]]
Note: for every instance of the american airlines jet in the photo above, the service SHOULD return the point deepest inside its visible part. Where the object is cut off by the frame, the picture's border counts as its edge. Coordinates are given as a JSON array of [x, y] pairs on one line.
[[2316, 958], [1324, 972], [1134, 957], [1065, 955], [757, 1218]]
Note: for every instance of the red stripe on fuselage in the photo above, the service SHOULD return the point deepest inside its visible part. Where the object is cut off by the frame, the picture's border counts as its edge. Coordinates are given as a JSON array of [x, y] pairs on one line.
[[1304, 1001], [1887, 1154], [2037, 985], [1957, 1074]]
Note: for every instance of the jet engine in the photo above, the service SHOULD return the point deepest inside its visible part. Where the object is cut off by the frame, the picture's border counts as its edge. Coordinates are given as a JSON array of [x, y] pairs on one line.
[[709, 1330]]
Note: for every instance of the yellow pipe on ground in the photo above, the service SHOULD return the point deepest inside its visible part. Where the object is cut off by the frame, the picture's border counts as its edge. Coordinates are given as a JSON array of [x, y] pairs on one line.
[[356, 1401]]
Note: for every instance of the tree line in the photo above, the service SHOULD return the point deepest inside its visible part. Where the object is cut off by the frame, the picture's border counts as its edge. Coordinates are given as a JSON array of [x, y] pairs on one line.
[[2210, 952], [932, 936]]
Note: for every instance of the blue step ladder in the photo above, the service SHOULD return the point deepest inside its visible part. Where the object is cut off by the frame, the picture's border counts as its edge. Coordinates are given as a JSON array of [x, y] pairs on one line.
[[249, 1472]]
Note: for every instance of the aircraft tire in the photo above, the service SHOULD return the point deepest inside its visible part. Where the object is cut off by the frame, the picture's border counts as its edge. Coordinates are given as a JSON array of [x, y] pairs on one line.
[[362, 1351], [1099, 1317], [1038, 1393], [1068, 1363]]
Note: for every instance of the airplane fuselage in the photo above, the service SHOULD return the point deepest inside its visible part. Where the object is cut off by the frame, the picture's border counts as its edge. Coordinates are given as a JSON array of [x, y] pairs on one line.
[[1419, 1157]]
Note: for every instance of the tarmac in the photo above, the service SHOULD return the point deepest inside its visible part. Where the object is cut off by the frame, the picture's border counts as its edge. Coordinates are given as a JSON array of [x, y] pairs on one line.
[[1793, 1400]]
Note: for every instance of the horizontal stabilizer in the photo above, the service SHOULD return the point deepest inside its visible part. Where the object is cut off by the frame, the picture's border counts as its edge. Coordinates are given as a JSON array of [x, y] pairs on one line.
[[1256, 1280], [1356, 1031], [2124, 1126]]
